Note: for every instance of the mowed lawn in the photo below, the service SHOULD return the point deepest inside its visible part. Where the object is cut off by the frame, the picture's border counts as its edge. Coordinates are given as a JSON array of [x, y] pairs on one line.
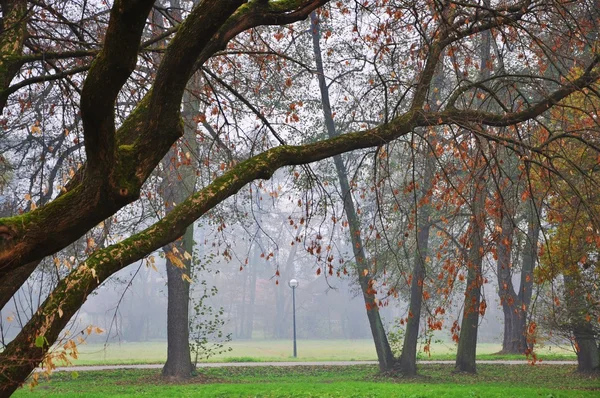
[[279, 350], [436, 380]]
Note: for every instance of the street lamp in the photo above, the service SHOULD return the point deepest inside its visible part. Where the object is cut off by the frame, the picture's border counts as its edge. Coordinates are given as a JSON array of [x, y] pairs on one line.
[[294, 284]]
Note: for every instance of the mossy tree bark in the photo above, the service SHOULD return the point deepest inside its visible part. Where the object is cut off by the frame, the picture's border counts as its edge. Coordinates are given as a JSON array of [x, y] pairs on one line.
[[147, 134], [13, 33]]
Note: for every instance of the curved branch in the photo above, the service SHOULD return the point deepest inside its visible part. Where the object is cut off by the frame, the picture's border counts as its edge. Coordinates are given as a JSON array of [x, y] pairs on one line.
[[108, 73]]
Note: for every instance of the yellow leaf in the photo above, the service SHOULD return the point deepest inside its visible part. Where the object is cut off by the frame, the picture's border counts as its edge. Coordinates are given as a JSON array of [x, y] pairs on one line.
[[175, 260], [365, 272], [186, 278], [187, 255], [60, 312], [27, 196]]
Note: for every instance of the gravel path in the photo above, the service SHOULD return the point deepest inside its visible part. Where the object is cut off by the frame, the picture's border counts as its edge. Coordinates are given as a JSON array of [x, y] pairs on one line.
[[250, 364]]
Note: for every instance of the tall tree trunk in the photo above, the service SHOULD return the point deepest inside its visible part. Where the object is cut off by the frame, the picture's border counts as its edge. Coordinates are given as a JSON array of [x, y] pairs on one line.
[[179, 362], [511, 342], [515, 306], [588, 352], [467, 344], [407, 364], [514, 340], [530, 258], [382, 347], [179, 183]]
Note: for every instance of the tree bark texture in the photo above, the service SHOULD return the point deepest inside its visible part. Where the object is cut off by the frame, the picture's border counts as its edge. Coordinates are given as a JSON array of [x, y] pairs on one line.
[[407, 364], [586, 342], [179, 182], [515, 306], [179, 362], [467, 344]]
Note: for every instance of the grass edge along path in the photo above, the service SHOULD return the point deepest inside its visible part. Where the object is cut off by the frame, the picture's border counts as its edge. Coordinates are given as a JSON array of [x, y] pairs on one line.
[[435, 380]]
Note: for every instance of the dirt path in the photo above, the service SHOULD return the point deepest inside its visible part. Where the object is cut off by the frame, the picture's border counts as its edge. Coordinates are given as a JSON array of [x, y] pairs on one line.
[[250, 364]]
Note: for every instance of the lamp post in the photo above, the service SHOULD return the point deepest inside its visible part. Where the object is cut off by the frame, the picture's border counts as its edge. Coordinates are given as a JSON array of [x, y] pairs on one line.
[[294, 284]]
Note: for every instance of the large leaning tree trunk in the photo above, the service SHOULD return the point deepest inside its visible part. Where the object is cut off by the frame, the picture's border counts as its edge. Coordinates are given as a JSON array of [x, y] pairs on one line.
[[385, 356]]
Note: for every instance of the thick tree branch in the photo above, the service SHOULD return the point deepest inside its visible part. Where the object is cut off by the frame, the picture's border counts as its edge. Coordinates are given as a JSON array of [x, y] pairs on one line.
[[66, 299], [109, 71], [12, 40], [142, 140]]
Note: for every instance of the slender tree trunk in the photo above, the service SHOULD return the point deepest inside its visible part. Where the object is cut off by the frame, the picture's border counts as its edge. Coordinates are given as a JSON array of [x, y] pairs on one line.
[[382, 347], [179, 182], [467, 344], [530, 258], [514, 340], [407, 364], [515, 305]]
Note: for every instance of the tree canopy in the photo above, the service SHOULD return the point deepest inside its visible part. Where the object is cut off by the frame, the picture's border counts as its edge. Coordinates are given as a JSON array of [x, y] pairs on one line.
[[96, 61]]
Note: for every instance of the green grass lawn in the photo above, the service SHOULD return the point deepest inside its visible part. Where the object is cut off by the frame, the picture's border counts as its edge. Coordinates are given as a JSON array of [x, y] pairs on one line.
[[326, 381], [279, 350]]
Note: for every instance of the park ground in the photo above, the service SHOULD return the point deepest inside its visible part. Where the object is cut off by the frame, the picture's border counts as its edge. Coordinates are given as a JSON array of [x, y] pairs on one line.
[[360, 380], [435, 380]]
